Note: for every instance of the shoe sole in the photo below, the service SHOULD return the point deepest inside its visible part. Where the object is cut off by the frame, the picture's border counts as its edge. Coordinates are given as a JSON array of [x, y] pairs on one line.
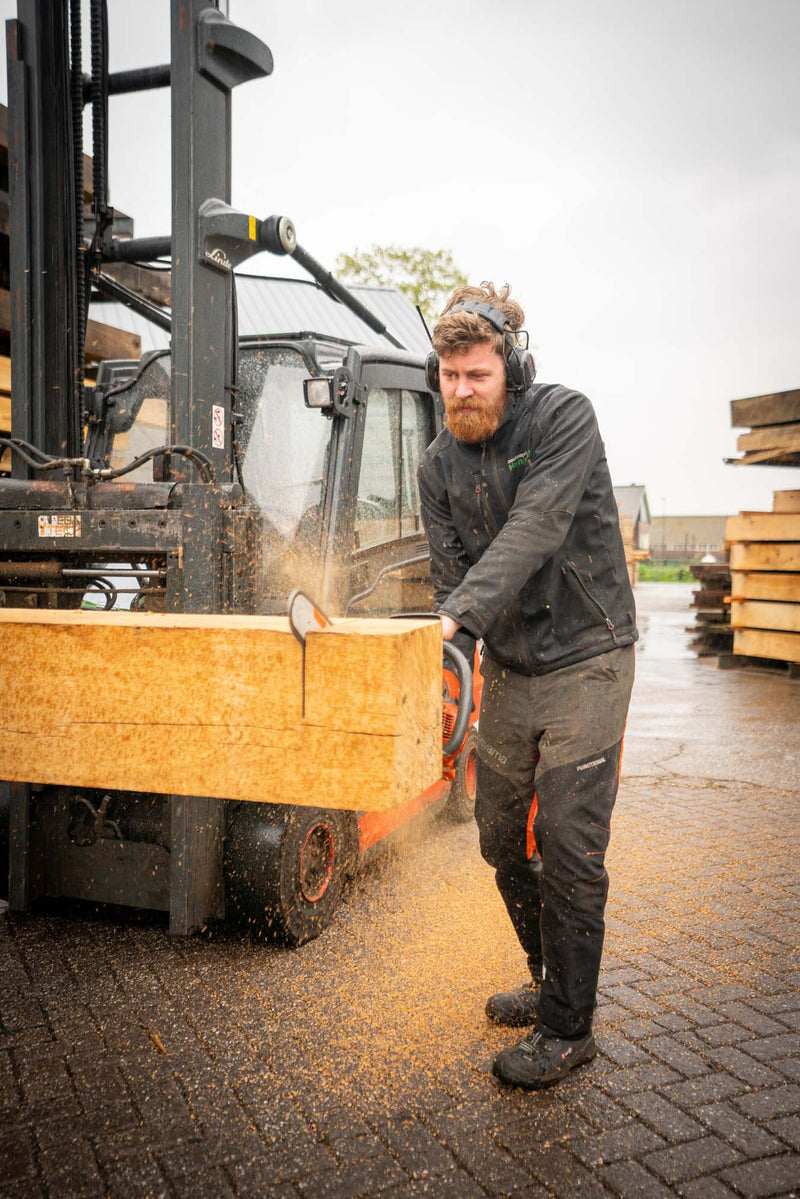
[[539, 1084], [511, 1021]]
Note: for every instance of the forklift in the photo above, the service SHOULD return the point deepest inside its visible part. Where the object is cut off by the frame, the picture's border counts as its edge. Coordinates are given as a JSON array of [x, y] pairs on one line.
[[214, 476]]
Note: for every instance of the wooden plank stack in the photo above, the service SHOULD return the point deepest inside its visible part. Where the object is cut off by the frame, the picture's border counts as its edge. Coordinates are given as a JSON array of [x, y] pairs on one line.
[[774, 423], [222, 706], [712, 628], [765, 580], [102, 341]]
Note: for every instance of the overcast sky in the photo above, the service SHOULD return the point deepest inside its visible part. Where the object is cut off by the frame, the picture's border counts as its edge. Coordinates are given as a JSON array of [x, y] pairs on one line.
[[631, 167]]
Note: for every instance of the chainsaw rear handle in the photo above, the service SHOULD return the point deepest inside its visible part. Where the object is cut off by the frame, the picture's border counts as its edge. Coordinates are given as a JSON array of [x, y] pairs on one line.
[[463, 672]]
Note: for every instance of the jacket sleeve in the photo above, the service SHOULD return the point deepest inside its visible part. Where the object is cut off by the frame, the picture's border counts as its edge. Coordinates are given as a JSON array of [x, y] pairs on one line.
[[449, 561], [543, 510]]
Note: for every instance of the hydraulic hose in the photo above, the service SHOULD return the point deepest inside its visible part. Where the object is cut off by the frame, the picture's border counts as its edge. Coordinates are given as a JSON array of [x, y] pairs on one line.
[[76, 98]]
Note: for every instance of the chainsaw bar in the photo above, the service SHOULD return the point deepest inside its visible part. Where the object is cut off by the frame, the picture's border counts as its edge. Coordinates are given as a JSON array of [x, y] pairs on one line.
[[305, 617]]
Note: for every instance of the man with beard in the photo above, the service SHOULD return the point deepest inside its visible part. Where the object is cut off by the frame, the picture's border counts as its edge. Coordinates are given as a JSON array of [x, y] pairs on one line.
[[526, 554]]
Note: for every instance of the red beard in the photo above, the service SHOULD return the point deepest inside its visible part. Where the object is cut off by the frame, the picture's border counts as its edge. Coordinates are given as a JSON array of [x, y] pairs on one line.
[[478, 425]]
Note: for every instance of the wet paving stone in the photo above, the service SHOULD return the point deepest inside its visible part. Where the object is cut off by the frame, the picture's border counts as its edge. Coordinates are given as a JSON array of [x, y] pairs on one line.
[[134, 1064]]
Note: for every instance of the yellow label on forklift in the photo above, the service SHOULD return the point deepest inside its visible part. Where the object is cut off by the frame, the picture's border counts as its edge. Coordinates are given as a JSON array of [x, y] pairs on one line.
[[252, 228], [59, 525]]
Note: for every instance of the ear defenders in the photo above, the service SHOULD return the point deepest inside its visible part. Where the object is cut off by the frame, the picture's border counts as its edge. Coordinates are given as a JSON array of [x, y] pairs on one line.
[[520, 368]]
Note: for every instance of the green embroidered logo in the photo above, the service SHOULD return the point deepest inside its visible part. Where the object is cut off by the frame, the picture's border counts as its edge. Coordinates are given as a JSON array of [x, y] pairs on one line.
[[520, 460]]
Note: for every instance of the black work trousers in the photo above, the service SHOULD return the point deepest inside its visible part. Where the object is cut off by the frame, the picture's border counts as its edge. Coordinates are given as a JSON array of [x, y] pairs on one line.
[[549, 753]]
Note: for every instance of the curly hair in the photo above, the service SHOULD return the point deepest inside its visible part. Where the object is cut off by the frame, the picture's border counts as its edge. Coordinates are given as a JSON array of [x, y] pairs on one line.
[[458, 332]]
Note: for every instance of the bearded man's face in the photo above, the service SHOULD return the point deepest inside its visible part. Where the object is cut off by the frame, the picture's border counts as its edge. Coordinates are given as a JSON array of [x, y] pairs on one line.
[[473, 387]]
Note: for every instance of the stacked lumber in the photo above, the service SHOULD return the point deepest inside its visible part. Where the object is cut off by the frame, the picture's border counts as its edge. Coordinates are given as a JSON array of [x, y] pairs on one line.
[[102, 341], [712, 627], [774, 423], [765, 580], [633, 556], [223, 706]]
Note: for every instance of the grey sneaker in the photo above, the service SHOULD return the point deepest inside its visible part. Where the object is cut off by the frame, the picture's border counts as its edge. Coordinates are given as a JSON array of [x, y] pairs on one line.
[[515, 1009], [540, 1061]]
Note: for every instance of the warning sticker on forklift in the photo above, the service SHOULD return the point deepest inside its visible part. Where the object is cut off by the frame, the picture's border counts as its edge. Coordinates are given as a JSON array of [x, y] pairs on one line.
[[218, 426], [59, 525]]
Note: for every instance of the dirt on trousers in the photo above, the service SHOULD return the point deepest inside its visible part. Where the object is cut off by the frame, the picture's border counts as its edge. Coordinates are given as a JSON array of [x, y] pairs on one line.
[[138, 1064]]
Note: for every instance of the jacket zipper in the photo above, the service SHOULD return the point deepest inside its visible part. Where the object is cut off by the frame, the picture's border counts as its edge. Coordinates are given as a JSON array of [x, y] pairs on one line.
[[516, 615], [595, 604]]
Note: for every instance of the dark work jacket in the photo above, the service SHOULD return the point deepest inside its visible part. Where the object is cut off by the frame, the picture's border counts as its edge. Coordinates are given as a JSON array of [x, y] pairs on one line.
[[524, 535]]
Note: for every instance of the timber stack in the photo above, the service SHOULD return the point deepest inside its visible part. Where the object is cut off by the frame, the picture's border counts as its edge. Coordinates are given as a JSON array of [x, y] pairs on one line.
[[765, 582], [102, 341], [774, 424], [712, 620]]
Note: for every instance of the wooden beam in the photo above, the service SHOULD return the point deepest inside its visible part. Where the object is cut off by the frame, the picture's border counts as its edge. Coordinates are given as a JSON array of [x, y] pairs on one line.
[[774, 409], [152, 284], [212, 706], [763, 526], [762, 585], [102, 341], [767, 556], [5, 414], [88, 172], [763, 614], [786, 501], [772, 457], [753, 643], [769, 437]]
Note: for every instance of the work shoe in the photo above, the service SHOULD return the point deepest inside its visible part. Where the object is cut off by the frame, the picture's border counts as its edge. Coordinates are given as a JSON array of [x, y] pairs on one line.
[[540, 1061], [515, 1009]]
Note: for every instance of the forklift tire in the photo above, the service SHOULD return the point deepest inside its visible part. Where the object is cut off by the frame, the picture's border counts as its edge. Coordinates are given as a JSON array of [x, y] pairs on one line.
[[286, 867], [460, 804]]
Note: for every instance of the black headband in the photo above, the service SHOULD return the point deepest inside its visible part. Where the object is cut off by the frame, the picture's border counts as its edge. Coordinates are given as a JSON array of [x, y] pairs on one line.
[[493, 315]]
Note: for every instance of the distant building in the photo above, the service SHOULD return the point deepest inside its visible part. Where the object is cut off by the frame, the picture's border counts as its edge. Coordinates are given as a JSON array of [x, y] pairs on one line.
[[687, 538], [635, 525]]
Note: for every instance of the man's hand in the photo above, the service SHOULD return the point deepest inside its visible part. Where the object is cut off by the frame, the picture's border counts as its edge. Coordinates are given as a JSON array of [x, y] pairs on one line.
[[449, 627]]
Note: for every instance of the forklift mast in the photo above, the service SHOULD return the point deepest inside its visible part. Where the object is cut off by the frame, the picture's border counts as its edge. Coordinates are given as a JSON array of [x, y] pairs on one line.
[[194, 539], [53, 268]]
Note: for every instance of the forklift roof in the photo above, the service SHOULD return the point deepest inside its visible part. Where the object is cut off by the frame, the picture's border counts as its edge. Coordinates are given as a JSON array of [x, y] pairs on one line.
[[269, 306]]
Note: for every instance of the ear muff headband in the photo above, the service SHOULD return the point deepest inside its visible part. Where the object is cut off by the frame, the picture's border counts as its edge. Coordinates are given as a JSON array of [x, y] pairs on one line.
[[520, 368]]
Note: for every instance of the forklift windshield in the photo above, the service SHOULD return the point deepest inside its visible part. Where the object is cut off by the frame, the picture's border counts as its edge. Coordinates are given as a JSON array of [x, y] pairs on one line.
[[282, 444]]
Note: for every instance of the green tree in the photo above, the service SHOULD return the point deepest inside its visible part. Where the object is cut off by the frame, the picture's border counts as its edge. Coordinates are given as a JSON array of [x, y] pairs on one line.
[[426, 277]]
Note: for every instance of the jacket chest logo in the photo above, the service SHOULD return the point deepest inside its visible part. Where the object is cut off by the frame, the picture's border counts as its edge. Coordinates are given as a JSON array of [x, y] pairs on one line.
[[519, 460]]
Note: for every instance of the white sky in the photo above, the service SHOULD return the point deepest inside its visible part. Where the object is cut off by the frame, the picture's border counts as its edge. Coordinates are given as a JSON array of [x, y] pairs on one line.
[[631, 167]]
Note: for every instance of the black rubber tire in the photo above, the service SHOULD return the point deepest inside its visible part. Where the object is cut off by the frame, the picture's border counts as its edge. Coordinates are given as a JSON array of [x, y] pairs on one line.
[[460, 804], [286, 867]]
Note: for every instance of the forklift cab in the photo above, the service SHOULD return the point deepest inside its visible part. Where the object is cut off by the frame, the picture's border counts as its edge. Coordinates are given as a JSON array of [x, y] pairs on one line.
[[328, 440]]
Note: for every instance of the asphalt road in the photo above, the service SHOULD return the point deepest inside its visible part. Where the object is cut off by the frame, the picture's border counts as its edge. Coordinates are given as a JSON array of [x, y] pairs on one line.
[[135, 1064]]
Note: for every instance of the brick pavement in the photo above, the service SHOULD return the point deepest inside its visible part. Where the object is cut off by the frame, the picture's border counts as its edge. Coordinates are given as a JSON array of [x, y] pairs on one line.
[[135, 1064]]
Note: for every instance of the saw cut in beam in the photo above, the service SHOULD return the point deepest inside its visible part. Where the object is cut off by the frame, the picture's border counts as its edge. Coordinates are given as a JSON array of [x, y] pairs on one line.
[[211, 706]]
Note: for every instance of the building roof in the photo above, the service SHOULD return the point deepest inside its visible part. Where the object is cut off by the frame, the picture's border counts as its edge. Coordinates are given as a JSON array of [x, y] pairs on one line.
[[268, 306], [632, 501]]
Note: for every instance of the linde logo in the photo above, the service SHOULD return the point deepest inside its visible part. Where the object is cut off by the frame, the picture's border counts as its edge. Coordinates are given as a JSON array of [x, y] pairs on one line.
[[519, 460]]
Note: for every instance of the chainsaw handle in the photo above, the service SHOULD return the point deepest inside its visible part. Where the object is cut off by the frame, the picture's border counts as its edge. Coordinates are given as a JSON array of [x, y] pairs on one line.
[[463, 672]]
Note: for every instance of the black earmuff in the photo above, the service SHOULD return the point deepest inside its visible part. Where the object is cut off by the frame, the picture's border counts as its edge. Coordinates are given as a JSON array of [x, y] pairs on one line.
[[520, 367]]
